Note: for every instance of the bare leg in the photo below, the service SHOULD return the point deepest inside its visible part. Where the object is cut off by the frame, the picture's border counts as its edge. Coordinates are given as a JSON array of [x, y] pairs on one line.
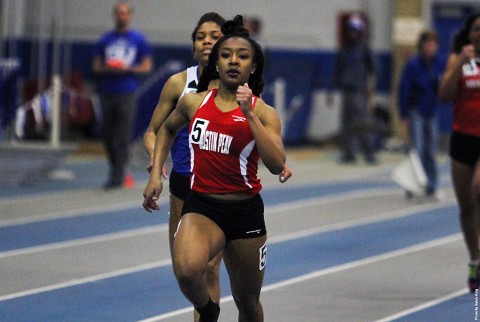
[[245, 261], [462, 176], [197, 241], [476, 197], [176, 205], [212, 273]]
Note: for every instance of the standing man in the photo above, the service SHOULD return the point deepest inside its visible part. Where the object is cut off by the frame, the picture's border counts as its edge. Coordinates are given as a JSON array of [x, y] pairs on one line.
[[354, 75], [120, 57]]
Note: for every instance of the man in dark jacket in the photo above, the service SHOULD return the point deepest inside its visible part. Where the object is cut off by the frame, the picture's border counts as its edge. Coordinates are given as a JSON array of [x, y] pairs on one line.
[[354, 75]]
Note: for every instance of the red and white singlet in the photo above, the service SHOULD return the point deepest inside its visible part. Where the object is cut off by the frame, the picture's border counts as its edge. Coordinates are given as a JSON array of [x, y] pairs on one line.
[[466, 113], [224, 156]]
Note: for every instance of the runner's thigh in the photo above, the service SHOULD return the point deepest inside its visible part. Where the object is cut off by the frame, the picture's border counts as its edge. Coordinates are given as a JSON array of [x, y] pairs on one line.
[[245, 260]]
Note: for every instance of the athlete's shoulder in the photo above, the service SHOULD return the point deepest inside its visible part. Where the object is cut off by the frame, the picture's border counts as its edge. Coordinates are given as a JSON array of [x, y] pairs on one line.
[[265, 112], [177, 81], [261, 105], [193, 98], [190, 102], [180, 76]]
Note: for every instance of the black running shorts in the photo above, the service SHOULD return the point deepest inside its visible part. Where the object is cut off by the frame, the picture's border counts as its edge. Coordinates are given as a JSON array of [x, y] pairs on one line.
[[237, 219], [179, 185], [465, 148]]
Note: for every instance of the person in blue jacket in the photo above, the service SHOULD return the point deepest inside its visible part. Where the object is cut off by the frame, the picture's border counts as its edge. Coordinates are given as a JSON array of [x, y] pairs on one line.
[[419, 104], [121, 57]]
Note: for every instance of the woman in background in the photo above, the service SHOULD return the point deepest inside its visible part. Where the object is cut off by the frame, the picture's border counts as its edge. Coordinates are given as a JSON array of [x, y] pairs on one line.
[[418, 105], [461, 83]]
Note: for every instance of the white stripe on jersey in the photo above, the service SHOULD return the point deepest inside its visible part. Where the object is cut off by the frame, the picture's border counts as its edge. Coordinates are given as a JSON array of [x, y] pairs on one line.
[[243, 161]]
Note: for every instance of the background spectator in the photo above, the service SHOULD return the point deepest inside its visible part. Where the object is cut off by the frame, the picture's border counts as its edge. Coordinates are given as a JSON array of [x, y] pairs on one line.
[[354, 73], [419, 106], [120, 56]]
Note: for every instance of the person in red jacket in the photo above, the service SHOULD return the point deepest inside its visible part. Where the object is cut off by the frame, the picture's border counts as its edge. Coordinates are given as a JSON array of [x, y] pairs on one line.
[[231, 129], [461, 84]]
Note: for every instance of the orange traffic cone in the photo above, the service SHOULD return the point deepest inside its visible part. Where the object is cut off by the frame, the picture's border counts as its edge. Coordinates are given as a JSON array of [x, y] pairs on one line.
[[129, 182]]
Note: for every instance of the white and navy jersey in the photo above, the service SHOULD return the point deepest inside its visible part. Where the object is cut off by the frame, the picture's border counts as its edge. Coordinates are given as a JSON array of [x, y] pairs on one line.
[[191, 83], [180, 150]]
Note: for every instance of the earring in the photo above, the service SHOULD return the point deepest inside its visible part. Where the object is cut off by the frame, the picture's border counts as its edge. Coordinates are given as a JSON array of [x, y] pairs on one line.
[[195, 56]]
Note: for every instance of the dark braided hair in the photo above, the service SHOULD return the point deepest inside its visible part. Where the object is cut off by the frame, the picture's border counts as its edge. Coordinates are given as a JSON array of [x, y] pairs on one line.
[[230, 29], [461, 37]]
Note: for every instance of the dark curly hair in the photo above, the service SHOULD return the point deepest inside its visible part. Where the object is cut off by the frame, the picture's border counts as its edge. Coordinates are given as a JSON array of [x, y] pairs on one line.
[[207, 17], [461, 37], [230, 29]]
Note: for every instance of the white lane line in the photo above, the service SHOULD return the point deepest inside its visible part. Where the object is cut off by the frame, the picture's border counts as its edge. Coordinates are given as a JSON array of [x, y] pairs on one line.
[[296, 280], [424, 305], [132, 204], [90, 279], [332, 270], [85, 241], [272, 240], [69, 213], [301, 204], [405, 212]]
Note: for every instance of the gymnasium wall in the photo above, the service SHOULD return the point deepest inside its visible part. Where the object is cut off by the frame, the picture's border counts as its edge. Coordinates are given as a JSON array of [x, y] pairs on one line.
[[301, 37]]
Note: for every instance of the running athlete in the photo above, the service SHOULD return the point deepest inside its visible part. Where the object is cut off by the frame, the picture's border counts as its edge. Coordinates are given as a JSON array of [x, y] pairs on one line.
[[231, 128], [204, 36], [461, 83]]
